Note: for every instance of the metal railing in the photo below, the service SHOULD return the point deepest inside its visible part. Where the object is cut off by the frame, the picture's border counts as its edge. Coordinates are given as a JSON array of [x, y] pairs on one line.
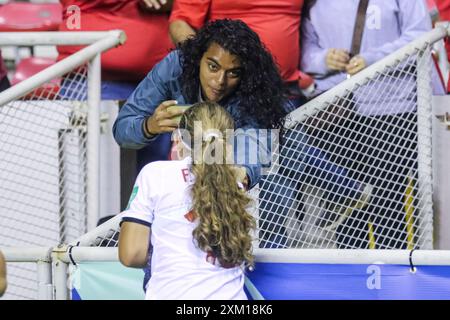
[[49, 137]]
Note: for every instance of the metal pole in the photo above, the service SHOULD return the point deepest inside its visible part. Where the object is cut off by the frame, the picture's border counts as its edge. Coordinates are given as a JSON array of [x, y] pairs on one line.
[[58, 69], [60, 274], [93, 142], [101, 231], [86, 254], [42, 257], [26, 254], [424, 147], [353, 256], [44, 278], [69, 38], [62, 185]]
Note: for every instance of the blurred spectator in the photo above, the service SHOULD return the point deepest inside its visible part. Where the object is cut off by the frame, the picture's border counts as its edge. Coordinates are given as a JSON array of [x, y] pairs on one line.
[[389, 26], [276, 22], [433, 11], [4, 81], [3, 282], [439, 51], [145, 23], [325, 53], [444, 15]]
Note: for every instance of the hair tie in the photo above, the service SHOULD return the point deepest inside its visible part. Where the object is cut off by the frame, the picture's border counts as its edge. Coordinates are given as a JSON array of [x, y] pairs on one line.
[[182, 141], [211, 134]]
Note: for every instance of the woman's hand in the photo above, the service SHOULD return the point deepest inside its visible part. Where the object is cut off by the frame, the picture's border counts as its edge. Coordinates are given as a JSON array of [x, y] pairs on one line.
[[355, 65], [337, 59], [162, 120]]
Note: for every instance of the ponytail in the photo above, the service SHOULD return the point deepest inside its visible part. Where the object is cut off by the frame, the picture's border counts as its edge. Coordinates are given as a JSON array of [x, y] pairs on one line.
[[224, 225]]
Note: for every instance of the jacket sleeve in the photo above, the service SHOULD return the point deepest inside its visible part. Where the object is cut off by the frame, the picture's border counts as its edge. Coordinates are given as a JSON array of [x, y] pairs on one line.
[[253, 150], [246, 155], [149, 94]]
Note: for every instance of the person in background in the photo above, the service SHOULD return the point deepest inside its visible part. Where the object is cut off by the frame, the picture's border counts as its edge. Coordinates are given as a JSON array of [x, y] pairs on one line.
[[194, 209], [146, 25], [443, 7], [3, 283], [389, 26], [433, 11], [4, 81], [276, 22], [325, 47]]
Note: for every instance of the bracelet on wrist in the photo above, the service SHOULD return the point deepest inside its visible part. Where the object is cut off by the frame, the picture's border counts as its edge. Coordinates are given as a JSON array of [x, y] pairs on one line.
[[147, 134]]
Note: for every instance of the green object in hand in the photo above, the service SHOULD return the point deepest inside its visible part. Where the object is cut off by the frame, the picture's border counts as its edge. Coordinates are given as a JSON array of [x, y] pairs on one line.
[[182, 107]]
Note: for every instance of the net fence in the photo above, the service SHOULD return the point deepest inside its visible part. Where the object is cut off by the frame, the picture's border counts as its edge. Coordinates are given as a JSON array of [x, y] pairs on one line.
[[43, 172], [354, 170]]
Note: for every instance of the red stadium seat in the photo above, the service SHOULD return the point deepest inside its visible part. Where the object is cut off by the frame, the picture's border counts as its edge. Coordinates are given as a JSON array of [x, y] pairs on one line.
[[30, 66], [21, 16]]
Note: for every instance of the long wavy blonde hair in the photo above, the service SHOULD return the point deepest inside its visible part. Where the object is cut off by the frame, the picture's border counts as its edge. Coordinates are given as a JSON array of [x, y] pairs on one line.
[[224, 225]]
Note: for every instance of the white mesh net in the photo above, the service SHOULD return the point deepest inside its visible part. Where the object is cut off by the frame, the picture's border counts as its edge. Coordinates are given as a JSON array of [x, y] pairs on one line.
[[356, 171], [42, 172]]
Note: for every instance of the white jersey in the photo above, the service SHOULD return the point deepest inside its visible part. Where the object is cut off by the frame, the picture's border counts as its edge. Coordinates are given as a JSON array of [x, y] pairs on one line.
[[179, 269]]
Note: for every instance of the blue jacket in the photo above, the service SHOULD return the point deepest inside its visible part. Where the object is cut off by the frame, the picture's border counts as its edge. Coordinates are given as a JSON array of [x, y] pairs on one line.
[[162, 83]]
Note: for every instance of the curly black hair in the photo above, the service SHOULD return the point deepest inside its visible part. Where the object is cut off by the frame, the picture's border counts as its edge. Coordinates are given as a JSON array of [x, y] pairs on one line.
[[307, 5], [260, 90]]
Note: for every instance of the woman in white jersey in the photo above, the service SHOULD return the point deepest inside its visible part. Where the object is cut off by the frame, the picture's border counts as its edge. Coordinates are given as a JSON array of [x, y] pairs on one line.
[[195, 213]]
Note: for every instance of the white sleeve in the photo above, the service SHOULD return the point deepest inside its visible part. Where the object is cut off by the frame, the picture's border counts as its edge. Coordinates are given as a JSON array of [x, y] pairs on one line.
[[414, 21], [141, 205], [313, 59]]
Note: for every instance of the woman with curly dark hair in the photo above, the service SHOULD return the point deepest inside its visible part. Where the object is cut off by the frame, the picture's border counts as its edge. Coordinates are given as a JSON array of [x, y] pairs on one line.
[[260, 86], [225, 63]]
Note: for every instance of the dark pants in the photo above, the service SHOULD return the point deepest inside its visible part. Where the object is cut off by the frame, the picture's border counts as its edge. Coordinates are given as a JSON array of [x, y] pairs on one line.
[[299, 162], [4, 84], [382, 152]]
